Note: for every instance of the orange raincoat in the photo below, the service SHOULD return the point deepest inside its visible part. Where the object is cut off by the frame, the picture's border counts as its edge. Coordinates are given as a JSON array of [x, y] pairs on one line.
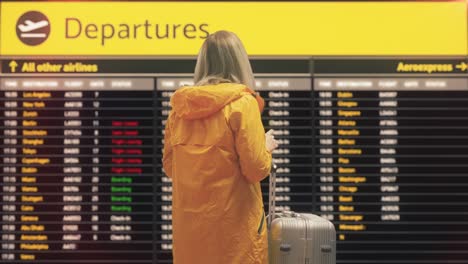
[[215, 153]]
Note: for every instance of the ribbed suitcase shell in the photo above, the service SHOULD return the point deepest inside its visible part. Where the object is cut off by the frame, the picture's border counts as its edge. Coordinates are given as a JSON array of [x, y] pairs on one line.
[[297, 238]]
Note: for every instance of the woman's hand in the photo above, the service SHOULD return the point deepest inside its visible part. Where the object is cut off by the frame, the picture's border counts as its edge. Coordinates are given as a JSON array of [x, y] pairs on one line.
[[271, 143]]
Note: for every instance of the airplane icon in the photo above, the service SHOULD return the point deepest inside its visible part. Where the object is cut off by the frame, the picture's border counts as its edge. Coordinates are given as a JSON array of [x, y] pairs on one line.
[[31, 26]]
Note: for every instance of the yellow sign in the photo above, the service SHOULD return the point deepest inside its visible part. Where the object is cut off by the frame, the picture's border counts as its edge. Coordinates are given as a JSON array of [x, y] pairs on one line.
[[266, 28]]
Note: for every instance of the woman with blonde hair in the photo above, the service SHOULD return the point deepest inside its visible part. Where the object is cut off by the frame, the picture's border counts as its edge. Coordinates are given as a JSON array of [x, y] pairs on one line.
[[216, 152]]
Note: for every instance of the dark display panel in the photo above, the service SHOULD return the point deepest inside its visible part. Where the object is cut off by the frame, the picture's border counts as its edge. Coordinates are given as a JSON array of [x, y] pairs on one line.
[[77, 170], [379, 147], [391, 167]]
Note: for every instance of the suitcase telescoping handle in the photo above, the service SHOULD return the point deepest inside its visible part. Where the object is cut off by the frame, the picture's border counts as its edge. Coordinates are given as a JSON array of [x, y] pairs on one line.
[[272, 195]]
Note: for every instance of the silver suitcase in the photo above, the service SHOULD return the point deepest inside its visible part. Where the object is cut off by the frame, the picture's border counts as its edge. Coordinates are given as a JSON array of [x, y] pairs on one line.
[[298, 238]]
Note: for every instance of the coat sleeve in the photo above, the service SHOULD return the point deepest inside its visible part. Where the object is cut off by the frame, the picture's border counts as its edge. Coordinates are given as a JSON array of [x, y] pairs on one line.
[[249, 135], [167, 151]]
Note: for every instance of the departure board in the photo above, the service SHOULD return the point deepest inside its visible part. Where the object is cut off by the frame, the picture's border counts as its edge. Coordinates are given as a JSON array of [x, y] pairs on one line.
[[77, 169], [391, 153], [376, 145]]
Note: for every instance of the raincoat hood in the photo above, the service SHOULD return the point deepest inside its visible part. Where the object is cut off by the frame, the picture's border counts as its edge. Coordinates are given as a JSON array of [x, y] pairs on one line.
[[195, 102]]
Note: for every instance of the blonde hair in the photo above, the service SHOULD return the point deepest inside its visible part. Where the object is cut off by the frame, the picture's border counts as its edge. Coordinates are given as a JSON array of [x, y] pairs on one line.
[[222, 58]]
